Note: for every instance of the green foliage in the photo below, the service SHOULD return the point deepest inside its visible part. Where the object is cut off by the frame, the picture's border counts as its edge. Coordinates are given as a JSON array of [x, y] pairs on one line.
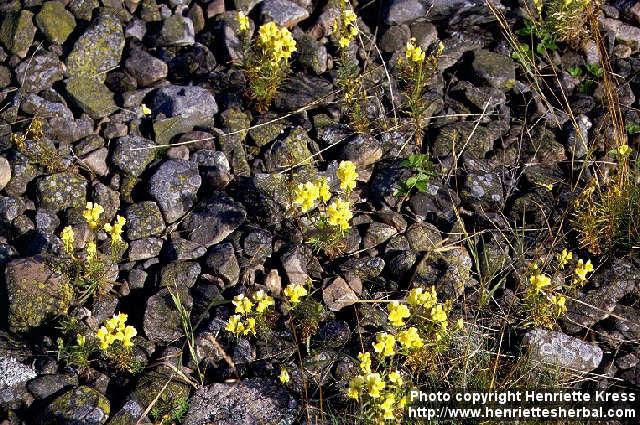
[[187, 328], [595, 69], [632, 128], [41, 152], [540, 37], [575, 71], [169, 412], [423, 171]]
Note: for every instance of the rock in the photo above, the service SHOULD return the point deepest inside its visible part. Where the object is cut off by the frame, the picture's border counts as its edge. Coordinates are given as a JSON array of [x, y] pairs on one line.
[[177, 30], [174, 186], [39, 72], [292, 151], [560, 350], [44, 386], [184, 102], [377, 234], [497, 69], [145, 68], [81, 405], [214, 220], [246, 402], [133, 153], [294, 262], [222, 262], [333, 334], [183, 249], [61, 191], [362, 150], [13, 376], [402, 11], [214, 168], [83, 9], [283, 12], [92, 96], [97, 161], [312, 54], [162, 322], [338, 295], [302, 90], [483, 187], [55, 22], [183, 273], [98, 50], [5, 77], [17, 31], [626, 34], [174, 394], [423, 237], [130, 413], [450, 271], [35, 293], [5, 172], [395, 38], [143, 219], [234, 122], [145, 248]]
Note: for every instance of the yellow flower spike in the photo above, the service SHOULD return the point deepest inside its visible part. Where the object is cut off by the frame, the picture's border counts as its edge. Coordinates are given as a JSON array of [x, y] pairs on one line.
[[343, 42], [395, 378], [385, 344], [397, 313], [92, 251], [564, 257], [129, 333], [145, 110], [250, 326], [242, 303], [355, 386], [243, 21], [264, 301], [284, 375], [68, 239], [365, 362], [438, 315], [92, 214], [80, 340], [539, 281], [323, 189], [387, 407], [306, 195], [115, 230], [102, 336], [374, 384], [232, 323], [347, 175], [294, 292], [410, 338], [339, 213]]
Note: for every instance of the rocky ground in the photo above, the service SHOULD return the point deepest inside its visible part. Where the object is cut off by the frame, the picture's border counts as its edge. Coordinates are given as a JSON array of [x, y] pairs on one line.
[[145, 113]]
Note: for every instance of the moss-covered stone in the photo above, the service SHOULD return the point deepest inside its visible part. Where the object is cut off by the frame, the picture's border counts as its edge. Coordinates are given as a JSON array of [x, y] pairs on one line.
[[61, 191], [234, 121], [292, 151], [172, 399], [35, 293], [92, 96], [143, 219], [266, 129], [55, 22], [17, 31], [81, 405]]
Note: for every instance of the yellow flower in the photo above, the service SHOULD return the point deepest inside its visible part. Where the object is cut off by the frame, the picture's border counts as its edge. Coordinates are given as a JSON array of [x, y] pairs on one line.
[[115, 230], [397, 313], [347, 175], [582, 269], [343, 42], [250, 326], [277, 43], [395, 378], [539, 281], [129, 333], [564, 257], [243, 20], [264, 301], [92, 214], [410, 338], [294, 292], [349, 17], [80, 340], [145, 110], [374, 384], [92, 250], [339, 214], [103, 337], [284, 375], [355, 385], [232, 323], [387, 407], [460, 324], [242, 303], [438, 314], [418, 297], [306, 195], [385, 344], [560, 302], [323, 189], [365, 362], [68, 238]]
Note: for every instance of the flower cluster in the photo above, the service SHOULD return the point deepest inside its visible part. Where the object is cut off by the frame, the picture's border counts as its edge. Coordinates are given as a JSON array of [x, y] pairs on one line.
[[247, 312], [414, 53], [347, 175], [115, 230], [294, 293], [344, 26], [92, 214], [276, 43], [68, 239], [116, 329], [243, 21]]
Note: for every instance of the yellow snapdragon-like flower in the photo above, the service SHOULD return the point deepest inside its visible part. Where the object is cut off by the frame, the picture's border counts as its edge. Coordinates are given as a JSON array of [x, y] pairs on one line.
[[420, 297], [385, 344], [414, 53], [355, 386], [277, 43], [284, 375], [232, 323], [410, 338], [374, 384], [242, 303], [397, 313], [323, 189], [264, 301], [115, 230], [387, 407], [68, 239], [560, 302], [294, 292], [564, 257], [306, 195], [365, 362], [104, 338], [347, 175], [339, 213], [92, 251], [395, 378], [92, 214], [582, 269], [624, 151], [539, 281], [116, 329], [438, 314], [243, 21]]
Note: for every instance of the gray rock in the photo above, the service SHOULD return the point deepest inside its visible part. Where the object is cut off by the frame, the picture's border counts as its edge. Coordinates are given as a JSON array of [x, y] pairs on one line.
[[45, 386], [221, 261], [362, 150], [312, 54], [143, 219], [161, 318], [423, 236], [294, 262], [497, 69], [338, 295], [626, 34], [92, 96], [292, 151], [283, 12], [250, 401], [185, 102], [83, 9], [5, 172], [39, 72], [97, 161], [378, 233], [145, 68], [183, 249], [17, 31], [401, 11], [13, 376], [174, 186], [395, 38], [98, 50], [450, 271], [133, 153], [177, 30], [214, 168], [61, 191], [213, 221], [145, 248], [182, 273], [55, 22], [302, 90], [483, 187], [234, 122], [81, 405], [560, 350]]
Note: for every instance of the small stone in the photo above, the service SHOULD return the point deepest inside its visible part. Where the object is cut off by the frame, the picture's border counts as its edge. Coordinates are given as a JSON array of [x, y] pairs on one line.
[[214, 168], [145, 68], [378, 233], [5, 172], [92, 96], [12, 374], [145, 248], [97, 161], [497, 69], [184, 249], [292, 151], [185, 102], [17, 31], [44, 386], [55, 22], [294, 262], [423, 236], [83, 9], [61, 191], [177, 30], [402, 11], [81, 405], [214, 220], [133, 153], [174, 186], [312, 54], [222, 262], [161, 318], [39, 72], [144, 219], [559, 350], [338, 295], [362, 150], [302, 90], [285, 13], [183, 274]]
